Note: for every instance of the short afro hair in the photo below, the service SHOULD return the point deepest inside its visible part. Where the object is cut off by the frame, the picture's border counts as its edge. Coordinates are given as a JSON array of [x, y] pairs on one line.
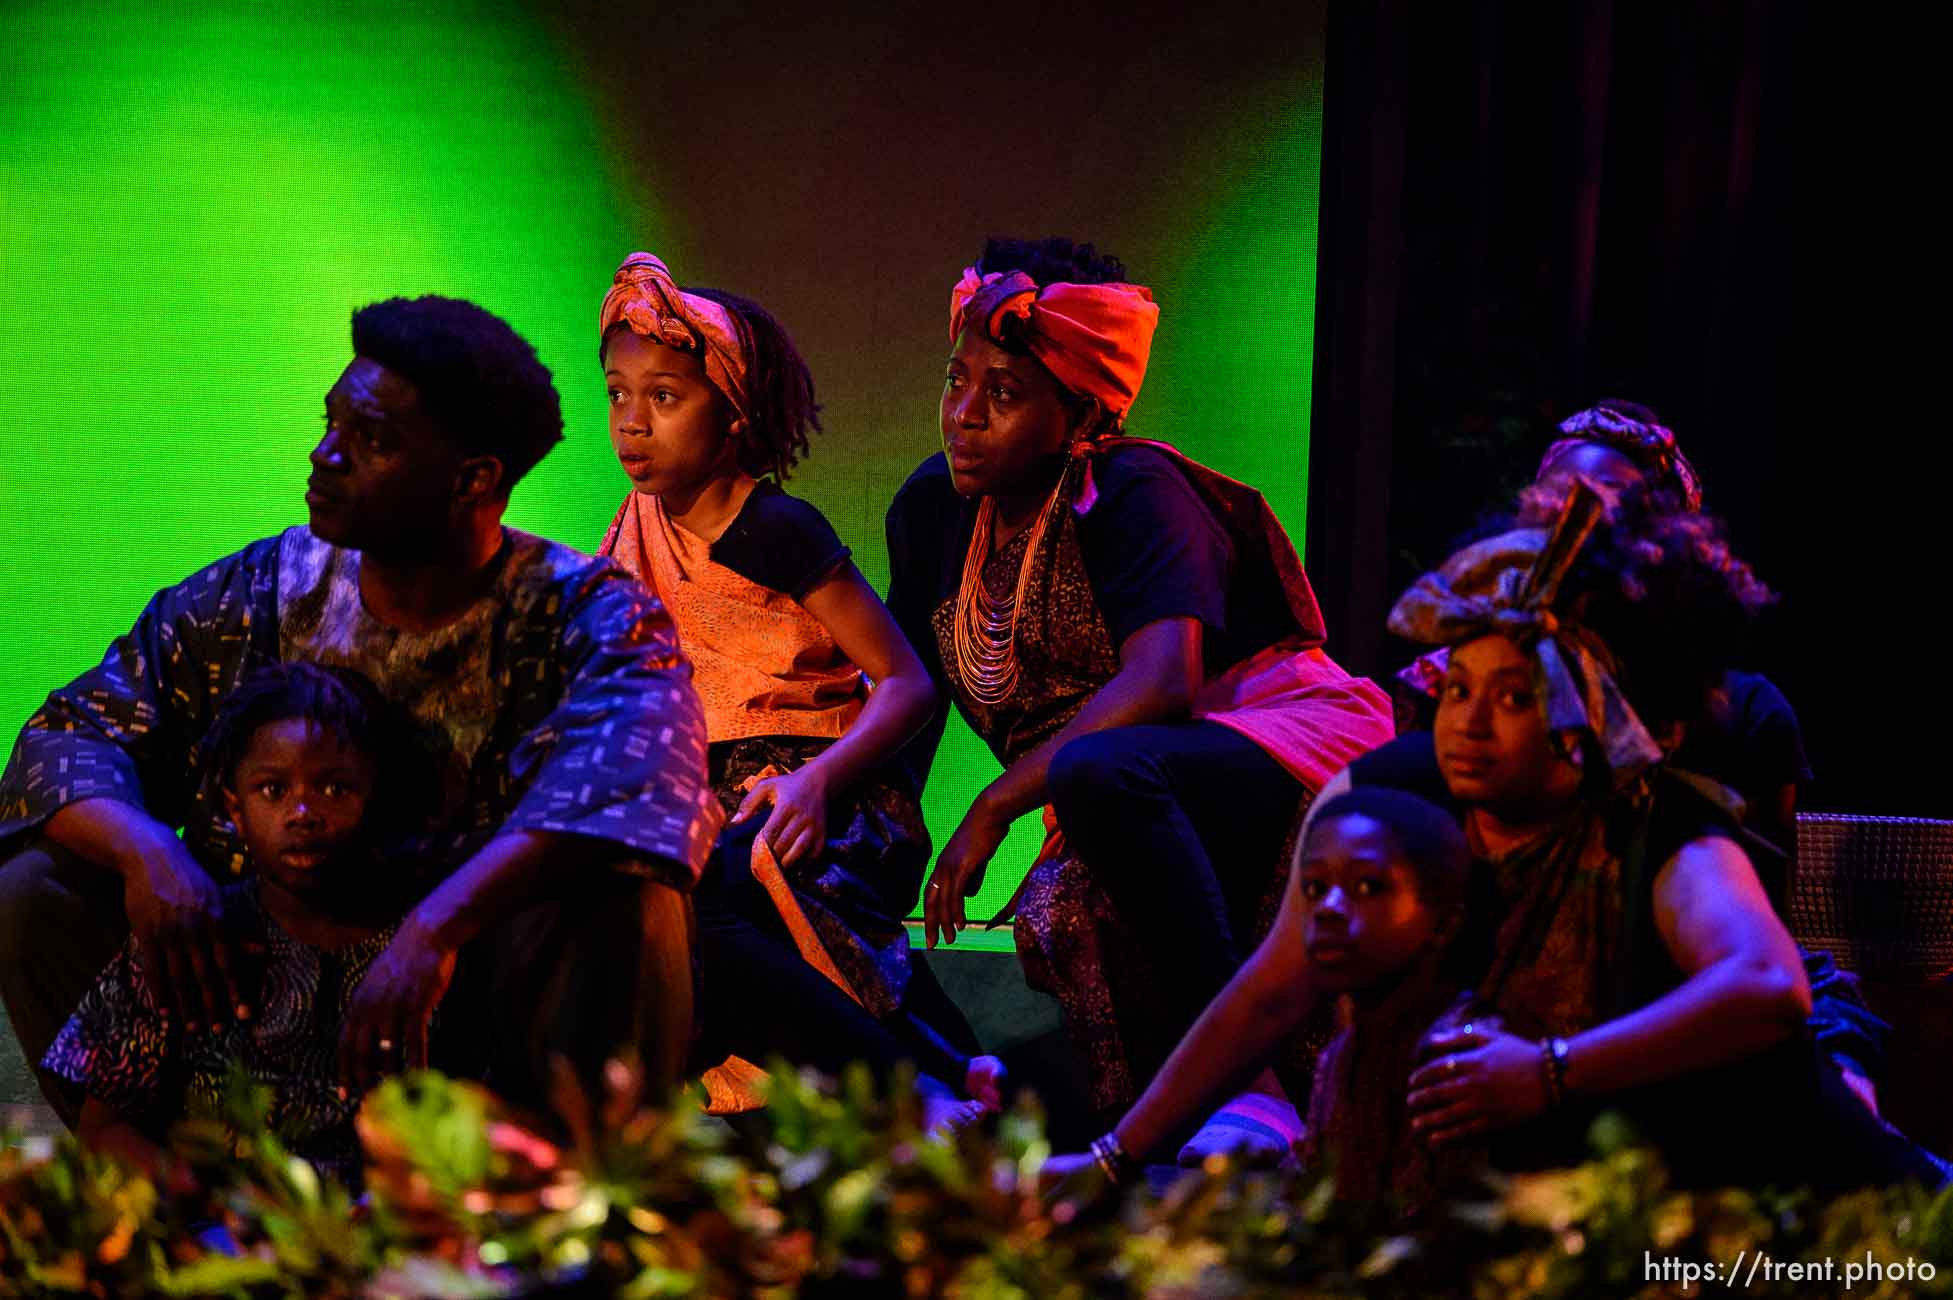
[[477, 378], [1049, 261], [1432, 843]]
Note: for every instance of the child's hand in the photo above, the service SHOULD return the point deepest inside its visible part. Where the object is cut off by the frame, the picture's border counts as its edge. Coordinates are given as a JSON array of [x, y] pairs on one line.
[[798, 825], [1475, 1080]]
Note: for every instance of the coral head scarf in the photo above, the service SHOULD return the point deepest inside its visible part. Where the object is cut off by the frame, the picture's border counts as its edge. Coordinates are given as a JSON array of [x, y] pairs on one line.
[[644, 296], [1094, 338]]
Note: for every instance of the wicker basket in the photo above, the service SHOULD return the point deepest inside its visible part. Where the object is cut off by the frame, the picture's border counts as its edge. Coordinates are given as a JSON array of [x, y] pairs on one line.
[[1876, 893]]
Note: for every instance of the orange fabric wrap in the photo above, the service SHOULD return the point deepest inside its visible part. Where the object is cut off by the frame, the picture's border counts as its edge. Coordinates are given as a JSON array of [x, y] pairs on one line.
[[735, 1084], [1095, 338], [763, 665], [644, 296]]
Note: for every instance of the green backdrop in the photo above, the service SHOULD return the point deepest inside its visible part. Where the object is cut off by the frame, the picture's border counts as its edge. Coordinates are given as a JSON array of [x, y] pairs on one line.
[[193, 200]]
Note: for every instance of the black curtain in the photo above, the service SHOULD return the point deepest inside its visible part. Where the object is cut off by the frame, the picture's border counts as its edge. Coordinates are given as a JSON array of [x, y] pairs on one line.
[[1713, 209]]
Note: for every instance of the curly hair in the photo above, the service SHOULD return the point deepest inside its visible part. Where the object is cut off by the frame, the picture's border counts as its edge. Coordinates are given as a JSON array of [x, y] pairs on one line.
[[1666, 593], [1051, 260], [348, 706], [781, 389], [478, 379]]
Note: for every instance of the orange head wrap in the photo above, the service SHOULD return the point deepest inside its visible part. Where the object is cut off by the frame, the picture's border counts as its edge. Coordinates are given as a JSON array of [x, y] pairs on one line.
[[644, 296], [1094, 338]]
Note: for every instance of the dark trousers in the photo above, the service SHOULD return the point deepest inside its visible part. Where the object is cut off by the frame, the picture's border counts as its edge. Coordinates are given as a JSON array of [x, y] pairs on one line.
[[1181, 826], [761, 999], [604, 964]]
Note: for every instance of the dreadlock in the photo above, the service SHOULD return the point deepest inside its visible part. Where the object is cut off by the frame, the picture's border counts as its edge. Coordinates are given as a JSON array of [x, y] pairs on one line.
[[783, 410]]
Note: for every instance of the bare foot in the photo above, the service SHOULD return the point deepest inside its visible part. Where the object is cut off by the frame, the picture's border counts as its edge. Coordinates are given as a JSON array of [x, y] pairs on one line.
[[983, 1082], [944, 1116]]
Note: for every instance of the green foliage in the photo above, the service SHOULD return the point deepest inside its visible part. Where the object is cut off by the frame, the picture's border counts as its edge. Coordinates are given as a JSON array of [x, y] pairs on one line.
[[840, 1192]]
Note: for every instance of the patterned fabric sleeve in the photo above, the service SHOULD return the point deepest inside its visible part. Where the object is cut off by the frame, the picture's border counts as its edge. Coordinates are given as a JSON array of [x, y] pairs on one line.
[[118, 1045], [122, 728], [621, 755]]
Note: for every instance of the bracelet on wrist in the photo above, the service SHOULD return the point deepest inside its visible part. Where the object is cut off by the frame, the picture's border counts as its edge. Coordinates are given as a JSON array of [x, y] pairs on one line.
[[1113, 1162], [1553, 1054]]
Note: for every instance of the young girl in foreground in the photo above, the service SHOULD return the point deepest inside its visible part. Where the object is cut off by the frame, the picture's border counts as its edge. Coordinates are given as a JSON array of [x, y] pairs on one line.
[[309, 771], [1381, 881], [809, 689]]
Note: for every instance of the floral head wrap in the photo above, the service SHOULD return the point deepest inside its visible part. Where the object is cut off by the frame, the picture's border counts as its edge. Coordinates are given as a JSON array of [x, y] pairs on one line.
[[1509, 586], [1651, 446], [644, 296], [1095, 338]]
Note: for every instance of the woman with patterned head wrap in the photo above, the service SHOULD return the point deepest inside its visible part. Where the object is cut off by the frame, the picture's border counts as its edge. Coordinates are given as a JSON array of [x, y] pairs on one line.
[[1746, 735], [1635, 963], [1133, 637]]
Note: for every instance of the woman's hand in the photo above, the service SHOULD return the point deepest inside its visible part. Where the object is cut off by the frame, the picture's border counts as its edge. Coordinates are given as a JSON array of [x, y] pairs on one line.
[[798, 825], [386, 1025], [1475, 1081], [959, 871]]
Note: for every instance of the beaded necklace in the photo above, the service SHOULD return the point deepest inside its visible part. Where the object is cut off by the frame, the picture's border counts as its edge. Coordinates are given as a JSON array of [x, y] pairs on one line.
[[983, 632]]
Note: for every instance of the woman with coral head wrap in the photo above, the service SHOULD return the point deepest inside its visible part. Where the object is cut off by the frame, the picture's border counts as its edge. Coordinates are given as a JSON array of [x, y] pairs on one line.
[[1133, 637]]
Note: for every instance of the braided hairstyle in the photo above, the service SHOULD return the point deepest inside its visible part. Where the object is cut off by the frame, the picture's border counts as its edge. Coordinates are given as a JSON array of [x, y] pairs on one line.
[[780, 386]]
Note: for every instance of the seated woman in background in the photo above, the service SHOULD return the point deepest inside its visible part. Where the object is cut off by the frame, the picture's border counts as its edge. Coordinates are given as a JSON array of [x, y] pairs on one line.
[[1745, 736], [1637, 964], [1133, 637], [312, 767], [809, 690]]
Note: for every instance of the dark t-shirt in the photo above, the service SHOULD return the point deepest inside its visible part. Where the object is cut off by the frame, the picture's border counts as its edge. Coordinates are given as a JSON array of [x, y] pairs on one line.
[[780, 541], [1151, 548]]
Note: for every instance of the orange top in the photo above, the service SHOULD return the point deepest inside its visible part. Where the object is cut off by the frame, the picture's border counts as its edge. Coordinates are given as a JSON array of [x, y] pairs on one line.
[[763, 665]]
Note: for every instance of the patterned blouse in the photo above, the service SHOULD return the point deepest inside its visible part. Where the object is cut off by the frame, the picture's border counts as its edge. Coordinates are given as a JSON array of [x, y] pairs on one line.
[[125, 1050]]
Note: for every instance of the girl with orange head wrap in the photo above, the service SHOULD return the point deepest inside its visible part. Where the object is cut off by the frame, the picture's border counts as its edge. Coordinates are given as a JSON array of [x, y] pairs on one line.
[[809, 688]]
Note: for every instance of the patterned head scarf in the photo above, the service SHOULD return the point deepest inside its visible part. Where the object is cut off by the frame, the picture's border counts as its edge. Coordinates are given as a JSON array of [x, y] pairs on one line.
[[1510, 586], [1651, 446], [644, 296], [1095, 338]]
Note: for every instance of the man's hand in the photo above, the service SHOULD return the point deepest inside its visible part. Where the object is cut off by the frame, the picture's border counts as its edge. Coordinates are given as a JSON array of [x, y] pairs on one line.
[[177, 915], [959, 872], [386, 1025]]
